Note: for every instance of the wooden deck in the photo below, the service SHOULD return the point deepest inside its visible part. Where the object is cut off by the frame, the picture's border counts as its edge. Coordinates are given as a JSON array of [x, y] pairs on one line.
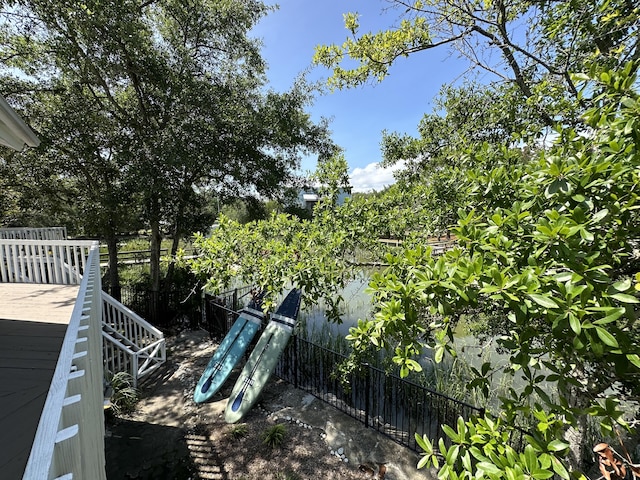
[[33, 322]]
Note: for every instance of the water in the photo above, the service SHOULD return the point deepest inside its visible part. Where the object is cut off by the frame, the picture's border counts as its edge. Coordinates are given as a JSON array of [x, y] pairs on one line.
[[315, 326], [356, 305]]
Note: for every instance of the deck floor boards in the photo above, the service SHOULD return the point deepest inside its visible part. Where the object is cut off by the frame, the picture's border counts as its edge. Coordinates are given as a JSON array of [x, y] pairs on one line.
[[33, 322]]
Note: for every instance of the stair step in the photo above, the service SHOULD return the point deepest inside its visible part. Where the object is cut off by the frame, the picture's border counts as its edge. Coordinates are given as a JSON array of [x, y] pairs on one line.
[[204, 456]]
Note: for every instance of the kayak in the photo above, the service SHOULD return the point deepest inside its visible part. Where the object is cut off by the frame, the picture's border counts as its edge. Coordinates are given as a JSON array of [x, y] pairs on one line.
[[229, 352], [263, 358]]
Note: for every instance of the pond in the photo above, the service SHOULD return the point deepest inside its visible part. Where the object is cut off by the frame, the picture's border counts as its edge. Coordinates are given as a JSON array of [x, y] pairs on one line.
[[314, 326], [357, 305]]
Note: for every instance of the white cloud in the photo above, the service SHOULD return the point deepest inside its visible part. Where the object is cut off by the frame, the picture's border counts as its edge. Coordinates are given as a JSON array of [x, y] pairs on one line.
[[373, 177]]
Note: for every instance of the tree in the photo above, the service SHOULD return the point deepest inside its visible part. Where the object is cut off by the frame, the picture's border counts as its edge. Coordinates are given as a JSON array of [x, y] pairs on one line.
[[332, 177], [173, 100], [463, 117], [538, 45], [547, 238], [556, 259], [543, 242], [548, 245]]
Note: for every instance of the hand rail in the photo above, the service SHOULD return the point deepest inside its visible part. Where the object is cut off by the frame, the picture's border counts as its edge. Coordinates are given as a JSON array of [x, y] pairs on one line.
[[29, 233], [59, 262], [69, 440], [136, 338]]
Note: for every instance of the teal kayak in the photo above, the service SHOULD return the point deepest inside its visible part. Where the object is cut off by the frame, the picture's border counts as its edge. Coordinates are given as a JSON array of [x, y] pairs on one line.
[[229, 352], [263, 358]]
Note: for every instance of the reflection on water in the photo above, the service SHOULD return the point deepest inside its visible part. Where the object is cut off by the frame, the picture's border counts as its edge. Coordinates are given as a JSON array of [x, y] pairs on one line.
[[314, 326], [356, 305]]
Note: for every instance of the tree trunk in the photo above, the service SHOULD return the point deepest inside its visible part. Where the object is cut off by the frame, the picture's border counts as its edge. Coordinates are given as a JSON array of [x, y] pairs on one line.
[[575, 436], [578, 400], [154, 256], [174, 248], [154, 271], [114, 274]]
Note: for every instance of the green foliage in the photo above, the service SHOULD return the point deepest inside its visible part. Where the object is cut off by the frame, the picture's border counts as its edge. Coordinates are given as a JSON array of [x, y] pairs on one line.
[[550, 244], [462, 117], [481, 448], [532, 46], [274, 435], [332, 175], [271, 254], [244, 210], [547, 234], [125, 396], [146, 108], [287, 475], [238, 431]]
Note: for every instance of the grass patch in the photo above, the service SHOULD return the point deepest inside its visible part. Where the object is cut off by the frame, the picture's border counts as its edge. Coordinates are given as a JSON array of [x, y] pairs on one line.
[[125, 396], [287, 475]]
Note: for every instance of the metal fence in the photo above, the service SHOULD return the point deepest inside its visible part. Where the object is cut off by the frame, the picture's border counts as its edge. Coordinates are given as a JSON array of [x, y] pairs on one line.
[[393, 406], [221, 311], [177, 307]]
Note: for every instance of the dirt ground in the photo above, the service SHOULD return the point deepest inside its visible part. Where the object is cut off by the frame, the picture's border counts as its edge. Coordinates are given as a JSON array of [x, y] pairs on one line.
[[171, 437]]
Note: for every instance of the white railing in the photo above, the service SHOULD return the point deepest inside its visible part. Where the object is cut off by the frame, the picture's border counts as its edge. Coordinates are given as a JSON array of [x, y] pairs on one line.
[[43, 261], [102, 335], [130, 344], [69, 441], [28, 233], [438, 247]]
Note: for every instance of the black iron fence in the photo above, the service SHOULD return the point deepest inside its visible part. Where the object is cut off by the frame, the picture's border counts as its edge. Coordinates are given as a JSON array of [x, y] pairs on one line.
[[395, 407], [167, 308], [221, 311]]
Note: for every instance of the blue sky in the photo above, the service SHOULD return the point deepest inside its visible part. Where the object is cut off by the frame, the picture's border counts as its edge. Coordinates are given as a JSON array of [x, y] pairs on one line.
[[359, 115]]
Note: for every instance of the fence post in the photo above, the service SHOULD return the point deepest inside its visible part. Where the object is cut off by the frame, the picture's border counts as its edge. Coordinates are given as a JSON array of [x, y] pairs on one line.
[[367, 387], [235, 300], [295, 361], [203, 311]]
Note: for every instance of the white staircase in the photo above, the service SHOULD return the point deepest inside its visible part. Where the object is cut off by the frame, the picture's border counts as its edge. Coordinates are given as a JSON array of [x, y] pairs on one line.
[[129, 343]]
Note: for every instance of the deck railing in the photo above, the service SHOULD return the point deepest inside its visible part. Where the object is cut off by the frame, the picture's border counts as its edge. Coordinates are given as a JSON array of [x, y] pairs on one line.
[[28, 233], [43, 261], [130, 344], [69, 441]]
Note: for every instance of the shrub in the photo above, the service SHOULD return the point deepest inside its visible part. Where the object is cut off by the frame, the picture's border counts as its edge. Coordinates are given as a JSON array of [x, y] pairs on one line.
[[274, 435], [287, 475], [125, 396], [239, 430]]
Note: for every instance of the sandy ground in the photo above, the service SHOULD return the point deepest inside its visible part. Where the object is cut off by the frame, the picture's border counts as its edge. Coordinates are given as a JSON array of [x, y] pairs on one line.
[[171, 437]]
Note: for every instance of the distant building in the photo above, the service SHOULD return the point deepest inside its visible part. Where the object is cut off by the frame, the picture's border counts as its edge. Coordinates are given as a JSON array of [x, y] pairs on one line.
[[308, 197]]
